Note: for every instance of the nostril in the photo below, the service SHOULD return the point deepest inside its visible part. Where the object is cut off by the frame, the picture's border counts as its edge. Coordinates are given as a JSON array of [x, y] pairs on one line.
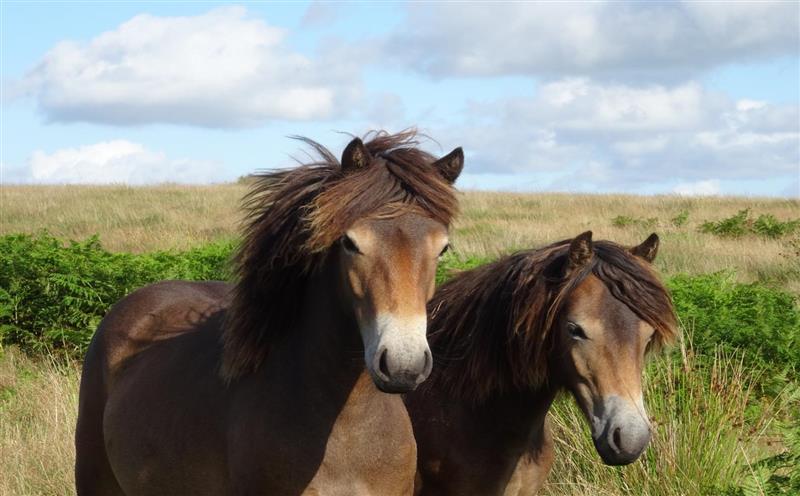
[[617, 440], [383, 366]]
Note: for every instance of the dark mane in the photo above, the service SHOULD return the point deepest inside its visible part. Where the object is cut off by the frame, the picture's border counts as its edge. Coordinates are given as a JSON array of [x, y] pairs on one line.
[[294, 216], [490, 327]]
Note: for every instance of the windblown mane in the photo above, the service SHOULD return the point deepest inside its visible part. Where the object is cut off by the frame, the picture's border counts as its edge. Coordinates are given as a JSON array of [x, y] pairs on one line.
[[491, 327], [294, 216]]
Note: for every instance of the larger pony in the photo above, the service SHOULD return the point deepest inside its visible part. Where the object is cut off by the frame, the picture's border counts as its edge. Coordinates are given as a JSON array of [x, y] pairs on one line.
[[274, 385]]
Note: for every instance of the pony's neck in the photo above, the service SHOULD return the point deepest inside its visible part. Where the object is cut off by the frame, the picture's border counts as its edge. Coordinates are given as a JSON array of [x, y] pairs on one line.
[[517, 419], [326, 346], [496, 432]]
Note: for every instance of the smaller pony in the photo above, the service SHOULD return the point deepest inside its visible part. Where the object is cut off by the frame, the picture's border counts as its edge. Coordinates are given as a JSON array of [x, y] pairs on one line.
[[508, 336]]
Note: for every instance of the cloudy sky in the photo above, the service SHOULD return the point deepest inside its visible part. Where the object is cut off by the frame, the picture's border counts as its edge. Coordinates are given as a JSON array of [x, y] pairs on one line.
[[644, 97]]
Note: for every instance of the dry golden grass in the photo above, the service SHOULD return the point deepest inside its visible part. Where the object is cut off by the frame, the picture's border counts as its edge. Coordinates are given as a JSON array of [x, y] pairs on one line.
[[494, 223], [38, 409], [134, 219], [175, 217]]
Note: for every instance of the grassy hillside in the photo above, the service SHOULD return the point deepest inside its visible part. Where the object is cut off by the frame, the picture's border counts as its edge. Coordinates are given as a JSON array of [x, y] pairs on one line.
[[176, 217], [725, 417]]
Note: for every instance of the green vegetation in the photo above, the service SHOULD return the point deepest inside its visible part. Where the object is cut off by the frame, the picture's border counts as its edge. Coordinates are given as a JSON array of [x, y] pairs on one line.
[[769, 226], [680, 219], [760, 320], [625, 220], [53, 294], [741, 224]]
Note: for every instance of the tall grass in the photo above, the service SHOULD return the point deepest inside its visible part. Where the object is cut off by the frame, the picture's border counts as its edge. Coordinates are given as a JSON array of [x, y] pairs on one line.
[[130, 219], [38, 409], [495, 223]]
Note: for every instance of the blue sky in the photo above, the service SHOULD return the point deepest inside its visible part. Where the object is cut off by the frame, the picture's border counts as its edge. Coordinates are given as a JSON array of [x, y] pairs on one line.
[[640, 97]]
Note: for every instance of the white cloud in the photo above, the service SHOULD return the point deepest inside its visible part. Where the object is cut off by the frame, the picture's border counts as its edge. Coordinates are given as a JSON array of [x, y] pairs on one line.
[[218, 69], [577, 104], [709, 187], [611, 137], [665, 41], [117, 161]]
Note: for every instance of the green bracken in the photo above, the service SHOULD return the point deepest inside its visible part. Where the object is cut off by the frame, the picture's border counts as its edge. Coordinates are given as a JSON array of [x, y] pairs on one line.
[[53, 294], [680, 219], [741, 224], [625, 220]]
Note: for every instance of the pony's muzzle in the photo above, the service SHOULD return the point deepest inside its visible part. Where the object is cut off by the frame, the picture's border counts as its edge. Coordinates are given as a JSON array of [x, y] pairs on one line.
[[397, 353], [400, 372], [622, 434]]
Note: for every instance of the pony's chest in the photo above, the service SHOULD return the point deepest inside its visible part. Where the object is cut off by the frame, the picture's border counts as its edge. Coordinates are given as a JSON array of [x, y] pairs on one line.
[[368, 456], [362, 446]]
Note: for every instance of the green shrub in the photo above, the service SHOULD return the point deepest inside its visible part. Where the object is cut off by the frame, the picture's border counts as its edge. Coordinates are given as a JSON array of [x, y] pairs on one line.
[[781, 473], [625, 221], [680, 219], [769, 226], [763, 322], [733, 227], [622, 221], [53, 295], [766, 225]]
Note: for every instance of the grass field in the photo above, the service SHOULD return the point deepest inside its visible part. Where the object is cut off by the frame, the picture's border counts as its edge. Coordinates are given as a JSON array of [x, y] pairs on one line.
[[175, 217], [713, 432]]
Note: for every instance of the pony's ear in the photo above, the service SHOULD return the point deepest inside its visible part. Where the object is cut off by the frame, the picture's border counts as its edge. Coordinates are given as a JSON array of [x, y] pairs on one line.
[[648, 249], [355, 156], [580, 252], [450, 165]]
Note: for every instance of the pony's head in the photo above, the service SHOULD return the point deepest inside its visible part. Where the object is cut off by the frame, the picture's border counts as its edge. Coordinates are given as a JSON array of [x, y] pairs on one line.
[[613, 310], [388, 259], [380, 218], [574, 315]]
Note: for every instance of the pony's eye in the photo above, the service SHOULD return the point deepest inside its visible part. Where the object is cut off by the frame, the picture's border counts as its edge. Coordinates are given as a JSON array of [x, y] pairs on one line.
[[576, 331], [445, 249], [350, 245]]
